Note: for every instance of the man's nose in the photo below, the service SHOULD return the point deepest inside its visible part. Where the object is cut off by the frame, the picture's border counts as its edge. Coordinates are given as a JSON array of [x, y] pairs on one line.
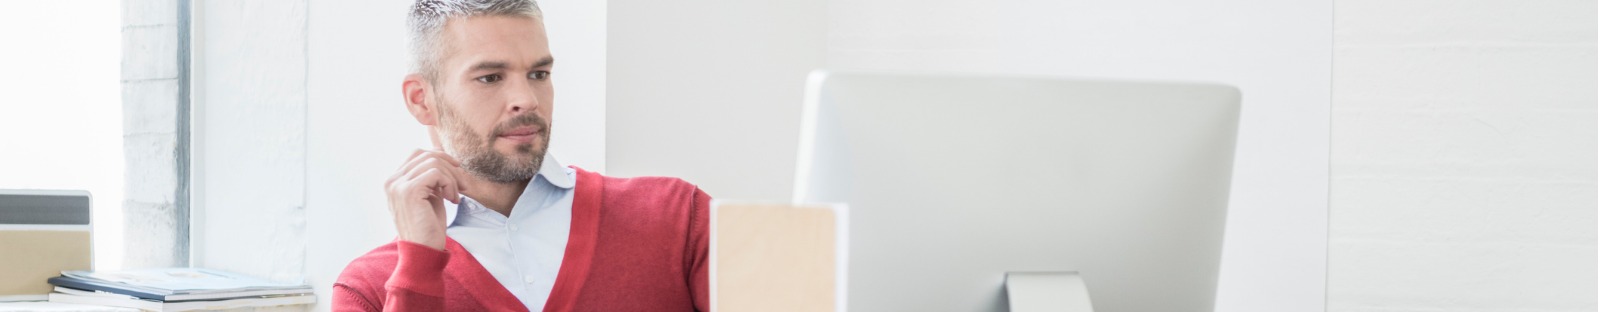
[[522, 99]]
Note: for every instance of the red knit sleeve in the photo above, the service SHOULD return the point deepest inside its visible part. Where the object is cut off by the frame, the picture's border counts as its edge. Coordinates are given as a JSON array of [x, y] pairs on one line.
[[418, 280], [348, 299], [699, 250]]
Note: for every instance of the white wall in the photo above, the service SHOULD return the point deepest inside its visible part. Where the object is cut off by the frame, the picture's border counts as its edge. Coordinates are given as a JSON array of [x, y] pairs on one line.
[[577, 32], [710, 90], [1463, 157], [249, 137]]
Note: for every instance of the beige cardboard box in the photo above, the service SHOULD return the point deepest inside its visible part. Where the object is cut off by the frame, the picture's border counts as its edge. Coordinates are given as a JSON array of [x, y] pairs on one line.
[[773, 257]]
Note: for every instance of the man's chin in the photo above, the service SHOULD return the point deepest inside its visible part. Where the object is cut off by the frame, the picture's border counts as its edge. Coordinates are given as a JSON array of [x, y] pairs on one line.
[[510, 166], [521, 150], [525, 153], [508, 146]]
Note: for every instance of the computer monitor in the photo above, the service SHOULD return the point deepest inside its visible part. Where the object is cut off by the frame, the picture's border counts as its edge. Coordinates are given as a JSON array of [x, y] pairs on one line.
[[955, 180]]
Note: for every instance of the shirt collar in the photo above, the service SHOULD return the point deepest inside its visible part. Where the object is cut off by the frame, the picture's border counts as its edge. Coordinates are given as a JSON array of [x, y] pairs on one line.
[[553, 172]]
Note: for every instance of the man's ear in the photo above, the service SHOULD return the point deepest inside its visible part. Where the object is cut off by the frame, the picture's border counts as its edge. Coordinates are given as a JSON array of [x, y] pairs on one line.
[[419, 99]]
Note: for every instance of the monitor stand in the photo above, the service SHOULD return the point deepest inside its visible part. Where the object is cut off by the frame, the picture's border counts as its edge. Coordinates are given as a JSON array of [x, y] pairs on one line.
[[1062, 291]]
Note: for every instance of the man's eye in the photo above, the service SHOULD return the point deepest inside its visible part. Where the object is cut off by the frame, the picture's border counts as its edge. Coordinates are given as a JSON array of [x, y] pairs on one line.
[[539, 75], [490, 78]]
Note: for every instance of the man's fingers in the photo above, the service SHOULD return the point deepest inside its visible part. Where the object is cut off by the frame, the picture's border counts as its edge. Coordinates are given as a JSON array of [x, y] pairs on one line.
[[440, 163], [425, 155], [461, 176], [448, 188], [423, 165], [436, 182], [410, 160], [404, 167], [446, 156], [417, 158], [454, 168], [415, 153], [451, 191]]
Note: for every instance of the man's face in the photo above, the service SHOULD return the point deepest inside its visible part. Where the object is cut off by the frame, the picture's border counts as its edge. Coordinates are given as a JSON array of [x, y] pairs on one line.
[[493, 95]]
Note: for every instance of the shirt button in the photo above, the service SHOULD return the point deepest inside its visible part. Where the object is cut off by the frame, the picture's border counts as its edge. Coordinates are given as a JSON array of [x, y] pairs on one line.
[[528, 279], [513, 228]]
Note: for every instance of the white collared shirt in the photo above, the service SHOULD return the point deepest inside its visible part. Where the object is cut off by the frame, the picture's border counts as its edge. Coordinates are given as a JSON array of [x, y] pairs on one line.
[[524, 250]]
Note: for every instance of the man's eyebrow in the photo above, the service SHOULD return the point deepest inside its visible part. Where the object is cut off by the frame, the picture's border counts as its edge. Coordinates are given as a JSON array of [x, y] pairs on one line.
[[489, 66], [546, 61], [496, 65]]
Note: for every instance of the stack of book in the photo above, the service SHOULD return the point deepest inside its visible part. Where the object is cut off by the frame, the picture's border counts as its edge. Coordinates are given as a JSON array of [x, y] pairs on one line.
[[175, 289]]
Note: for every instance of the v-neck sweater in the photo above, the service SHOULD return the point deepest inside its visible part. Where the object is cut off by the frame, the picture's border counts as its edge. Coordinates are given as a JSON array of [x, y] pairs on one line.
[[636, 244]]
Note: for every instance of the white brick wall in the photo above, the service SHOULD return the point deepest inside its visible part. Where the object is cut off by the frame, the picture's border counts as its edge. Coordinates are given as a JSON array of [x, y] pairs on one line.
[[1463, 173], [149, 108]]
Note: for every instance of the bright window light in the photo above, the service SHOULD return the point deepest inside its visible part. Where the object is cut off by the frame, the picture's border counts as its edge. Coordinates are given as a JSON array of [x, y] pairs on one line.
[[61, 109]]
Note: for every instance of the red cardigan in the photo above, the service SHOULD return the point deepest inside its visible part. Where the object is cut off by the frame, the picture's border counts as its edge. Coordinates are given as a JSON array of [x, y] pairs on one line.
[[637, 244]]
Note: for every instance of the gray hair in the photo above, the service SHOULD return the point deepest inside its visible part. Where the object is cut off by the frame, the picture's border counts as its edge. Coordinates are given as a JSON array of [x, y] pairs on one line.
[[429, 16]]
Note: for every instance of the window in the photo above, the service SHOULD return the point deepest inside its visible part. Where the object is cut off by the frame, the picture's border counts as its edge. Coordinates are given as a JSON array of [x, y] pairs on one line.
[[61, 124]]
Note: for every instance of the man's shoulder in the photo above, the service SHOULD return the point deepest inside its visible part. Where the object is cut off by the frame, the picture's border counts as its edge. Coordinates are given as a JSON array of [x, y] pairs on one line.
[[645, 186], [666, 202], [650, 185]]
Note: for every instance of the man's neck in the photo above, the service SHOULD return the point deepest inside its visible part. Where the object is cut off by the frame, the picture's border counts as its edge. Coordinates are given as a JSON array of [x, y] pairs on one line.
[[499, 197]]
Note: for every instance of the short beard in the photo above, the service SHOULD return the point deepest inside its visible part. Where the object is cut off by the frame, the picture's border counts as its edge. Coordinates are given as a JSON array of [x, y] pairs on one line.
[[477, 153]]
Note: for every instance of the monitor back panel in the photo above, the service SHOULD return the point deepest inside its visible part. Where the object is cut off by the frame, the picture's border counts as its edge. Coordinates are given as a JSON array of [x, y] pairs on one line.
[[955, 180]]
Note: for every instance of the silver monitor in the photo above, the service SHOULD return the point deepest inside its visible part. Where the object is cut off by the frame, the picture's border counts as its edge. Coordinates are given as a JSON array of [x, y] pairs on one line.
[[955, 180]]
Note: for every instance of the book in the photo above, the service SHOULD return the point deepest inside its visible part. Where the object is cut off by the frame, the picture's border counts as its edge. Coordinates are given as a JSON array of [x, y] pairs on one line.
[[114, 300], [176, 284], [17, 298]]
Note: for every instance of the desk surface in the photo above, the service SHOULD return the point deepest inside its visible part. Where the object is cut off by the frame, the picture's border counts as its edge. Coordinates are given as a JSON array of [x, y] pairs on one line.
[[58, 307]]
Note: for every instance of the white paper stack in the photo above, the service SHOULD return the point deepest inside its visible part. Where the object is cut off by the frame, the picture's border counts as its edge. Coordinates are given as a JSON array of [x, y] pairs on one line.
[[175, 289]]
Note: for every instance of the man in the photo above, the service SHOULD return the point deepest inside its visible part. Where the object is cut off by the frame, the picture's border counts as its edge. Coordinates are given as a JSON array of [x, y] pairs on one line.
[[527, 233]]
